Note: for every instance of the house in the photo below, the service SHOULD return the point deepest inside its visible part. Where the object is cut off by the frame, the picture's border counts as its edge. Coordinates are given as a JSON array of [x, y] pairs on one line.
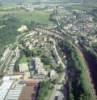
[[24, 68], [39, 69], [53, 74]]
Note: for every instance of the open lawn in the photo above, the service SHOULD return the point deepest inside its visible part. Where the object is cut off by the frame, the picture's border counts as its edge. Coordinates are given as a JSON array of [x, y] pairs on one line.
[[23, 59]]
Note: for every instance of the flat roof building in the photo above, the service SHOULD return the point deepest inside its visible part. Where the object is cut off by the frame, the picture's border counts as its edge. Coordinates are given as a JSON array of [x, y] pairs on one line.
[[29, 92], [14, 92], [39, 68], [4, 87], [24, 68]]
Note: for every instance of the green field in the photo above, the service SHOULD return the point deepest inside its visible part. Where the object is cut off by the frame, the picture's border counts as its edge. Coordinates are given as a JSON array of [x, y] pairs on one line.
[[27, 16], [23, 59]]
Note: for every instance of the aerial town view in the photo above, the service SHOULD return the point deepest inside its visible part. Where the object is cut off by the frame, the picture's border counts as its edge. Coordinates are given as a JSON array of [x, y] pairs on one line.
[[48, 49]]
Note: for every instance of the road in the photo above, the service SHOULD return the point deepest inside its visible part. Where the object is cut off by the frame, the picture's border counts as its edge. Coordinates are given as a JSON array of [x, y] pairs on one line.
[[6, 62], [57, 87], [58, 36], [62, 77], [50, 33]]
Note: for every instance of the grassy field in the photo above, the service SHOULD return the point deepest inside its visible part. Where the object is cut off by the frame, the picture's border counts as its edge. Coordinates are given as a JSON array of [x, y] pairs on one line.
[[27, 16], [23, 59]]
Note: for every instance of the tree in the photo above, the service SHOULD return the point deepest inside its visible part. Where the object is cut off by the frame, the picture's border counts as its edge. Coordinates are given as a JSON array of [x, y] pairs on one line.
[[45, 60], [59, 69]]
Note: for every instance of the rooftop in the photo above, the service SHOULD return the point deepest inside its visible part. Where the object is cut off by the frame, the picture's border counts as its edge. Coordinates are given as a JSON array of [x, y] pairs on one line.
[[5, 86], [29, 91]]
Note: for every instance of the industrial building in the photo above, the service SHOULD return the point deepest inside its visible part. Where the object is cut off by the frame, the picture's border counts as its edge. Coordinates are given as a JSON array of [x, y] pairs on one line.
[[29, 91], [4, 87], [14, 88]]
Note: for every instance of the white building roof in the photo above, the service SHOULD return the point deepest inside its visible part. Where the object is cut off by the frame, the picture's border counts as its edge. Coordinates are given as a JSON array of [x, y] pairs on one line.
[[24, 67], [15, 92], [4, 88]]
